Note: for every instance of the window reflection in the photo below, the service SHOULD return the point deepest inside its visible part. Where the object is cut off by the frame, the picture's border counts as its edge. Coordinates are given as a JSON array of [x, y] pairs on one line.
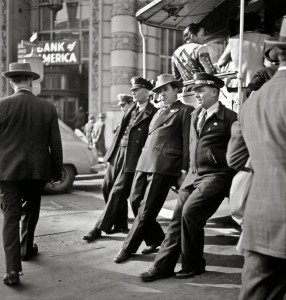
[[170, 41]]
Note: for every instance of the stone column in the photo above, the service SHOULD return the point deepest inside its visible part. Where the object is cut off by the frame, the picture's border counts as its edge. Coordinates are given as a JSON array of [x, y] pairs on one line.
[[124, 57], [93, 58]]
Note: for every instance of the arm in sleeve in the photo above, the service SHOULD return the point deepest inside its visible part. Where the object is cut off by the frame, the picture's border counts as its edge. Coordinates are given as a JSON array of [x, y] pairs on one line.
[[175, 72], [205, 60], [225, 57], [237, 152]]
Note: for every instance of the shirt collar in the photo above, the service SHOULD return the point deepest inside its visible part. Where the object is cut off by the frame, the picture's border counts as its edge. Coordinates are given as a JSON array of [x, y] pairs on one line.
[[142, 106], [22, 89], [210, 111]]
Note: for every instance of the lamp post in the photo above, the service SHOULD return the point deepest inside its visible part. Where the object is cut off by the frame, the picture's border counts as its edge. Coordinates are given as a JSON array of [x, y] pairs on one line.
[[55, 6]]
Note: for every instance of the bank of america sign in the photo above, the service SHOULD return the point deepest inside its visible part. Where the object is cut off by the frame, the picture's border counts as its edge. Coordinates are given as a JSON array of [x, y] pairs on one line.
[[52, 52]]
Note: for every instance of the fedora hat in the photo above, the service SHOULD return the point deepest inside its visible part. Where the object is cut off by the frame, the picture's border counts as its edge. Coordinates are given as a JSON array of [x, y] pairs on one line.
[[139, 82], [164, 79], [281, 41], [205, 79], [20, 69], [124, 99]]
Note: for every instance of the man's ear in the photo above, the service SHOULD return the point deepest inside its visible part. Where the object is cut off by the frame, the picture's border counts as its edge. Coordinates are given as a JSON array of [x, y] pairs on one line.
[[12, 84], [192, 36], [214, 92]]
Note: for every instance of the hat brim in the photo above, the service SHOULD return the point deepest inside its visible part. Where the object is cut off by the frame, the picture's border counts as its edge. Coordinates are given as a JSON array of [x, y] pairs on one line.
[[120, 103], [204, 84], [276, 42], [177, 82], [138, 86], [9, 74]]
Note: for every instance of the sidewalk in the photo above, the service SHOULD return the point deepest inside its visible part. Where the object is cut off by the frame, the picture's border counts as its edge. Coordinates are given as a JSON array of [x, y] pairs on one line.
[[69, 268]]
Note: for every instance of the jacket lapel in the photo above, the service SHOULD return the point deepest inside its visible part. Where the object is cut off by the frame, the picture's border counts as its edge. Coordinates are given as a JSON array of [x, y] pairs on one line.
[[126, 117], [144, 114], [194, 120], [167, 114]]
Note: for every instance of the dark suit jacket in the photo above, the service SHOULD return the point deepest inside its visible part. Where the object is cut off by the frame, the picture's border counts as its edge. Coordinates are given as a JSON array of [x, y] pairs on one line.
[[136, 139], [263, 129], [167, 147], [208, 150], [30, 141]]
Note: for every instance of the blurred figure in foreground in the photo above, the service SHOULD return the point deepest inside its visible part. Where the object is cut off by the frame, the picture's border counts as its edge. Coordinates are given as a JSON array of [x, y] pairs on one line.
[[262, 123]]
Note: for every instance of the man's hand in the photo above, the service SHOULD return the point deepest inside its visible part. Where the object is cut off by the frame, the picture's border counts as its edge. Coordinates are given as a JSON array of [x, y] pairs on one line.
[[181, 178]]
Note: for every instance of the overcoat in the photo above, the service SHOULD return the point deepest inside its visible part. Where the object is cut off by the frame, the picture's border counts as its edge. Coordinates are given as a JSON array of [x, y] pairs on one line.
[[137, 137], [167, 147], [32, 149], [263, 128]]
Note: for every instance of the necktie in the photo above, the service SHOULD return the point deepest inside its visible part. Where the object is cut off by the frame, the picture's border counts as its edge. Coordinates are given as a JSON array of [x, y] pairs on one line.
[[202, 122]]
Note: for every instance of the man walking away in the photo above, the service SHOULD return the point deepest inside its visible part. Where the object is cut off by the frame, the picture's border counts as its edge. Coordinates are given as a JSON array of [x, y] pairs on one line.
[[30, 156]]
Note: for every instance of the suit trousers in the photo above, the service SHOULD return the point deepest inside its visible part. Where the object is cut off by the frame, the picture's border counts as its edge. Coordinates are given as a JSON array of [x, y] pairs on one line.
[[148, 194], [19, 198], [263, 277], [185, 234], [116, 191]]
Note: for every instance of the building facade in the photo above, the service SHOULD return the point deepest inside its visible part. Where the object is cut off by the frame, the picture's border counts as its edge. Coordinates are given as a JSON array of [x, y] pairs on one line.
[[90, 50]]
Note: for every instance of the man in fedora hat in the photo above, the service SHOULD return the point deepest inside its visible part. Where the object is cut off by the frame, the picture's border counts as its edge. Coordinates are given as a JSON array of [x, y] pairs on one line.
[[163, 163], [122, 158], [31, 155], [98, 132], [205, 186], [262, 134]]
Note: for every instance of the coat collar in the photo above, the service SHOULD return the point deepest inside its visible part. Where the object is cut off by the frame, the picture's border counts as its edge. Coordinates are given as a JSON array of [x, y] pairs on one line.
[[167, 114], [219, 113]]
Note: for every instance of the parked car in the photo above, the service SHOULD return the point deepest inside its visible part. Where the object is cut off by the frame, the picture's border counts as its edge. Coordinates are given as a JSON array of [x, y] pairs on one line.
[[78, 159]]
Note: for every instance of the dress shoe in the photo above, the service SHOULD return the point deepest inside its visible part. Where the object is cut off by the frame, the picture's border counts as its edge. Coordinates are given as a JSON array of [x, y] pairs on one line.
[[183, 274], [122, 256], [34, 251], [11, 278], [150, 249], [154, 274], [93, 235]]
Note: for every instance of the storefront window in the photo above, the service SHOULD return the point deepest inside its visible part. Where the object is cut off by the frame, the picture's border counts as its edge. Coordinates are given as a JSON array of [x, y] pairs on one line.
[[170, 41]]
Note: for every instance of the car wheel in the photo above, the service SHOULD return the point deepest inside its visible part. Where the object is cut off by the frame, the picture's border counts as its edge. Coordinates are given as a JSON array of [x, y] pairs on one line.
[[65, 184]]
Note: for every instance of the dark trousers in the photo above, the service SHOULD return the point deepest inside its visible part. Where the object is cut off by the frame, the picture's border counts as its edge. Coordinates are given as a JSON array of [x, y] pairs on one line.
[[116, 190], [19, 198], [185, 234], [148, 194], [263, 277]]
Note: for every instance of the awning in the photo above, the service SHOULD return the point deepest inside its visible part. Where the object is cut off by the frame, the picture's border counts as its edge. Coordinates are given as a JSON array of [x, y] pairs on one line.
[[177, 14]]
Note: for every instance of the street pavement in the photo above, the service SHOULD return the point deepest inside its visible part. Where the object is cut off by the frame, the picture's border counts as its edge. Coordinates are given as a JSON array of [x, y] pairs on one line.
[[69, 268]]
